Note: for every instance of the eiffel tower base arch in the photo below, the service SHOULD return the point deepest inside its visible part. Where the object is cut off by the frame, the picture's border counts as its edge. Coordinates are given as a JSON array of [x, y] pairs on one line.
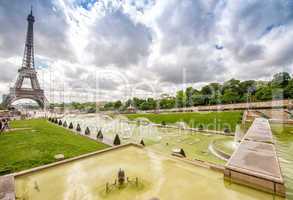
[[17, 94]]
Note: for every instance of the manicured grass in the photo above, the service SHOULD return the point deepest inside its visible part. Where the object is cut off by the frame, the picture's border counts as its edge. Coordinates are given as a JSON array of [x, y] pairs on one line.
[[210, 120], [24, 149]]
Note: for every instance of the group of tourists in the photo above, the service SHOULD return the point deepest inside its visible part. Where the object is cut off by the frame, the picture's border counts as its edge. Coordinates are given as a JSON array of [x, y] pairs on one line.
[[4, 124]]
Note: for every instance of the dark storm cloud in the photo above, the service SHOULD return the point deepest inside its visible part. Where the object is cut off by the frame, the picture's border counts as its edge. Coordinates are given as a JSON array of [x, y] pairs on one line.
[[118, 40]]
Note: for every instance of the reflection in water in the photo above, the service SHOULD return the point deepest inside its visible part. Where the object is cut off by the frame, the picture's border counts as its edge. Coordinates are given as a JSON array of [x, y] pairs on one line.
[[76, 190], [284, 138]]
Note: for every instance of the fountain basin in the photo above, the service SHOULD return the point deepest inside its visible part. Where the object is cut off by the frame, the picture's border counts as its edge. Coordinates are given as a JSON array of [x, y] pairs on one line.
[[165, 177]]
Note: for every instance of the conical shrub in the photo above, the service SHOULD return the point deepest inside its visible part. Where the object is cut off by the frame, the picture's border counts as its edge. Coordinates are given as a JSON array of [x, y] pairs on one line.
[[60, 123], [87, 131], [65, 124], [142, 142], [100, 135], [182, 152], [117, 140], [70, 125], [78, 128]]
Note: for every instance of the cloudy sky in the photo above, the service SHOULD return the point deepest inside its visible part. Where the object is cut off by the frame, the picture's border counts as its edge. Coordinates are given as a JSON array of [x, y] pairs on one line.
[[89, 50]]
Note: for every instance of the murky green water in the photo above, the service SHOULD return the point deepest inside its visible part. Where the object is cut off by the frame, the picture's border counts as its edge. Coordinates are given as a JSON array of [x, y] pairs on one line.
[[160, 176], [195, 145], [284, 137]]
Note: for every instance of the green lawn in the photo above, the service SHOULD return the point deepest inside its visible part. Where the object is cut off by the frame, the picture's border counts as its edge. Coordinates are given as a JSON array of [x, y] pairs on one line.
[[210, 120], [24, 149]]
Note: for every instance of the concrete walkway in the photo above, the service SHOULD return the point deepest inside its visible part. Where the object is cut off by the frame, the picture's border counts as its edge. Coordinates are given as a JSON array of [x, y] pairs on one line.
[[7, 188], [255, 163]]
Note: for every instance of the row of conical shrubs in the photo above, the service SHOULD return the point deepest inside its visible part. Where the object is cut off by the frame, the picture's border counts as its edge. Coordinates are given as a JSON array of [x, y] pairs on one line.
[[78, 128], [53, 120], [87, 131]]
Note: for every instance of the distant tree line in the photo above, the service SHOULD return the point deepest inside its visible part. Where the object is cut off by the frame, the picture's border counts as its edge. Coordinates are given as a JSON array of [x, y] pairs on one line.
[[232, 91]]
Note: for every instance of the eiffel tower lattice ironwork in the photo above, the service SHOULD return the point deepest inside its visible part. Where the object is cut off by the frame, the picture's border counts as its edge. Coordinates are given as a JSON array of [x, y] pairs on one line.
[[27, 71]]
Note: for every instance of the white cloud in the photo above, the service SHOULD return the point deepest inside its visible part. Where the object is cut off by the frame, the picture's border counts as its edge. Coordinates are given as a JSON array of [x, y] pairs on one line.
[[113, 49]]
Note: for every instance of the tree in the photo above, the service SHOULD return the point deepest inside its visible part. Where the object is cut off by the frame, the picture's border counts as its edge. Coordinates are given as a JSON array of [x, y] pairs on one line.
[[247, 90], [230, 96], [198, 99], [188, 92], [136, 102], [144, 106], [152, 103], [288, 92], [109, 106], [167, 103], [117, 105], [181, 99], [281, 80], [128, 103], [264, 93]]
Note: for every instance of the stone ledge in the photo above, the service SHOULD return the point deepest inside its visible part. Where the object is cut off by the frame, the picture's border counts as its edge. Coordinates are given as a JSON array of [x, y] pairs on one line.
[[255, 182]]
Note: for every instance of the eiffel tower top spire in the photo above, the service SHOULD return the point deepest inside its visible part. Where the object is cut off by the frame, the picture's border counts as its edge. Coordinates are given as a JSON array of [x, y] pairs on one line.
[[28, 56]]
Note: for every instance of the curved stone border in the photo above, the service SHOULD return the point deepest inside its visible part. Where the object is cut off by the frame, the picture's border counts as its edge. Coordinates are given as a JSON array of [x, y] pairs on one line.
[[186, 129], [218, 153], [75, 158]]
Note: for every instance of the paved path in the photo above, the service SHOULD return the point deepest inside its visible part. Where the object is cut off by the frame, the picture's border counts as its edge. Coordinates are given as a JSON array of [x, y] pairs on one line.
[[7, 188], [255, 162]]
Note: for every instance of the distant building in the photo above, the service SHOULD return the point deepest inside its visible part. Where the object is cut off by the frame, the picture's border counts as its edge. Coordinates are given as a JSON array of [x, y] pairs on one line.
[[131, 109], [100, 104]]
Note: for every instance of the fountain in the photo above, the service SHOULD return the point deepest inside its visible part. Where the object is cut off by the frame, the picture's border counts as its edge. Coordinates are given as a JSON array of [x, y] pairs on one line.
[[121, 177], [121, 182], [181, 125], [147, 175], [238, 135], [156, 137]]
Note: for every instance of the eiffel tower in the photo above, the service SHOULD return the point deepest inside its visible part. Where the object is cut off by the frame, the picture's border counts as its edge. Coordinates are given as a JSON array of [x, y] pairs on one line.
[[27, 71]]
